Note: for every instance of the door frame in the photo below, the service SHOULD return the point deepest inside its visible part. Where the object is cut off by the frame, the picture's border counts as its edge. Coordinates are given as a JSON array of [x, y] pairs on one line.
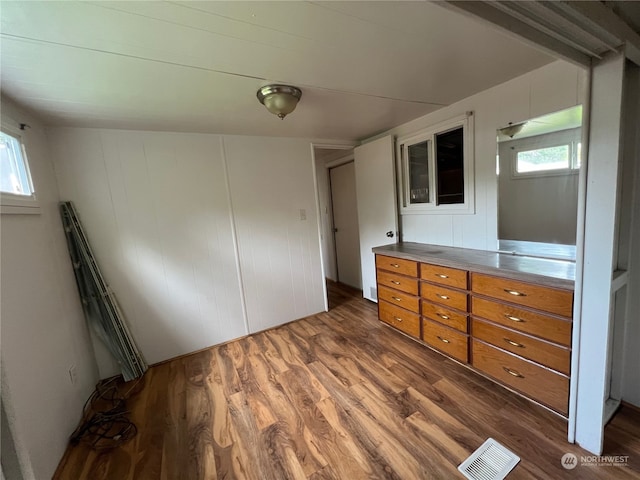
[[316, 180]]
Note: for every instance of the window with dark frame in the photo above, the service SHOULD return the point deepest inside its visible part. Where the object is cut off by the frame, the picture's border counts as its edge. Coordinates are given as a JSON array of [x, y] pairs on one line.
[[436, 168]]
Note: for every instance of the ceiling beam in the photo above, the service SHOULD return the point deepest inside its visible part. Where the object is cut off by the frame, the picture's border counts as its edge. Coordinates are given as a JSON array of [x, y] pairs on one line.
[[607, 19], [531, 18], [519, 29], [590, 19]]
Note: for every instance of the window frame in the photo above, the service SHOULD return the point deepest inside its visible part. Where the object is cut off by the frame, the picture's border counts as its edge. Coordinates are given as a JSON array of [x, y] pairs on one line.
[[19, 204], [569, 137], [403, 143]]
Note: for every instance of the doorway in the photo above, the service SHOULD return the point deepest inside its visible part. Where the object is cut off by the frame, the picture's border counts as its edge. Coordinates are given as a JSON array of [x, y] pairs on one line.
[[346, 238], [327, 158]]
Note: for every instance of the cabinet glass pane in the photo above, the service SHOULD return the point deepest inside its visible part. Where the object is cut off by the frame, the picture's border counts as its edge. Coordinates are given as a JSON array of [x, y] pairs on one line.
[[418, 157], [450, 167]]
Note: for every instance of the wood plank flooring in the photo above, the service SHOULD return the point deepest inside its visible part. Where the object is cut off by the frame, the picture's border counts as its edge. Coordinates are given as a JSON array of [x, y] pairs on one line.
[[337, 395]]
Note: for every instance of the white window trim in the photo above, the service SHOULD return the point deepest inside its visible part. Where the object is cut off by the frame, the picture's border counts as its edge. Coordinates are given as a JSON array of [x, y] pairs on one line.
[[465, 121], [19, 204], [556, 139]]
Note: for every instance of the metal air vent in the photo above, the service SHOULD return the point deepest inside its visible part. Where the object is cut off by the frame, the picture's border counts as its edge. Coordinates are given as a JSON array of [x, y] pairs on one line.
[[491, 461]]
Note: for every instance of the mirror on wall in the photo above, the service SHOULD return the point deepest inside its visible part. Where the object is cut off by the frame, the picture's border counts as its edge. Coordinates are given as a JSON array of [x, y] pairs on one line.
[[538, 170]]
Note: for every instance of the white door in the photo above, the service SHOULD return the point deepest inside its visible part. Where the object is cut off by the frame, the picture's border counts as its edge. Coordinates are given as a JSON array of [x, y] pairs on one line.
[[377, 213], [345, 224]]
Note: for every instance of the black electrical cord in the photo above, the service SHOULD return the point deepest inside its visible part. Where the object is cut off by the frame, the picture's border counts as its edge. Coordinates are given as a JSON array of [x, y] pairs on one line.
[[105, 423]]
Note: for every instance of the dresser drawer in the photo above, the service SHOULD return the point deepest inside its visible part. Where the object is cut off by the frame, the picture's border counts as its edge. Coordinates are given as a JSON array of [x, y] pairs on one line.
[[397, 265], [444, 315], [548, 354], [539, 383], [544, 326], [399, 282], [400, 318], [444, 296], [548, 299], [451, 342], [398, 298], [444, 275]]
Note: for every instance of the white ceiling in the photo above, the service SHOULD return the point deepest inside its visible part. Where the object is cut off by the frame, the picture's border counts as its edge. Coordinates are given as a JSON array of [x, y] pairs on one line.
[[363, 67]]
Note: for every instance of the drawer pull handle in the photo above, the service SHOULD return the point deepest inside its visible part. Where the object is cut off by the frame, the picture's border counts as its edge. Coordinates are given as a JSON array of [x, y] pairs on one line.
[[515, 293], [443, 339], [441, 275], [397, 299], [444, 297], [444, 317], [397, 319], [513, 372], [511, 342], [395, 265], [512, 318], [395, 283]]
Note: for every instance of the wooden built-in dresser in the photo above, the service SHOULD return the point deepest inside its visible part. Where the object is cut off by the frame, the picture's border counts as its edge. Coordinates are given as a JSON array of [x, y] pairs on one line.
[[507, 317]]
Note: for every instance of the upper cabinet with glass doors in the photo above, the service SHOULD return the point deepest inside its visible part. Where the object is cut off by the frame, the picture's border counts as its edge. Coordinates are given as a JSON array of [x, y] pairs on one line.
[[437, 169]]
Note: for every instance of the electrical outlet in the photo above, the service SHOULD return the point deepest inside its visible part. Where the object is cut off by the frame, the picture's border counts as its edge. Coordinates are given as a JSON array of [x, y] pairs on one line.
[[303, 214], [73, 374]]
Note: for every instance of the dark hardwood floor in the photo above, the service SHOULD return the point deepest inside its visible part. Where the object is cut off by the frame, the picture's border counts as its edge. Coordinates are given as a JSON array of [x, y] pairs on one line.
[[337, 395]]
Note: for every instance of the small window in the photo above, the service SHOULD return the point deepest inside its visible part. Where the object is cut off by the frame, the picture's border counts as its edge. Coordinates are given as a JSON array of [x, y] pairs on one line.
[[541, 159], [550, 154], [14, 176], [16, 188], [437, 169]]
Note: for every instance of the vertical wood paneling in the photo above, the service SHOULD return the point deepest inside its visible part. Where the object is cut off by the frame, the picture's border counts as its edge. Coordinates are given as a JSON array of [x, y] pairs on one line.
[[271, 180], [158, 211], [436, 229], [155, 206]]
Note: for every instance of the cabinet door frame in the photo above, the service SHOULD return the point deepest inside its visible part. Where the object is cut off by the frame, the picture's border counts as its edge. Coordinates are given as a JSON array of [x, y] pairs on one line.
[[466, 121]]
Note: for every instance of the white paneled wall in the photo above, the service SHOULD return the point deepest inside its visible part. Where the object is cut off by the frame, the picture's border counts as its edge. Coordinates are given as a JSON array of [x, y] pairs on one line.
[[158, 211], [43, 329], [272, 182], [554, 87]]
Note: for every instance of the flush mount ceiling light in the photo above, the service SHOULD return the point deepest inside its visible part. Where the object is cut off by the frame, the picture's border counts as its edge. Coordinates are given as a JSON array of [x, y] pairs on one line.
[[512, 130], [280, 100]]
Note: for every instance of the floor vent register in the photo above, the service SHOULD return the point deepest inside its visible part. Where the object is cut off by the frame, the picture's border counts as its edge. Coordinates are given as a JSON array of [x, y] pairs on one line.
[[491, 461]]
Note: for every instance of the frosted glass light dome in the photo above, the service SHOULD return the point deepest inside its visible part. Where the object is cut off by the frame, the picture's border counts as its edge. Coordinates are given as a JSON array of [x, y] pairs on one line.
[[280, 100]]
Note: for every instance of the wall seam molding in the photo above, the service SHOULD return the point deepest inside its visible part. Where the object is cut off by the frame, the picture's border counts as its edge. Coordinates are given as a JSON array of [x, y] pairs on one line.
[[234, 237]]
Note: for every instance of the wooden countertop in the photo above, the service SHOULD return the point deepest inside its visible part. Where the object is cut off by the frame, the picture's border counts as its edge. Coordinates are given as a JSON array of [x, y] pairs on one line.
[[554, 273]]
